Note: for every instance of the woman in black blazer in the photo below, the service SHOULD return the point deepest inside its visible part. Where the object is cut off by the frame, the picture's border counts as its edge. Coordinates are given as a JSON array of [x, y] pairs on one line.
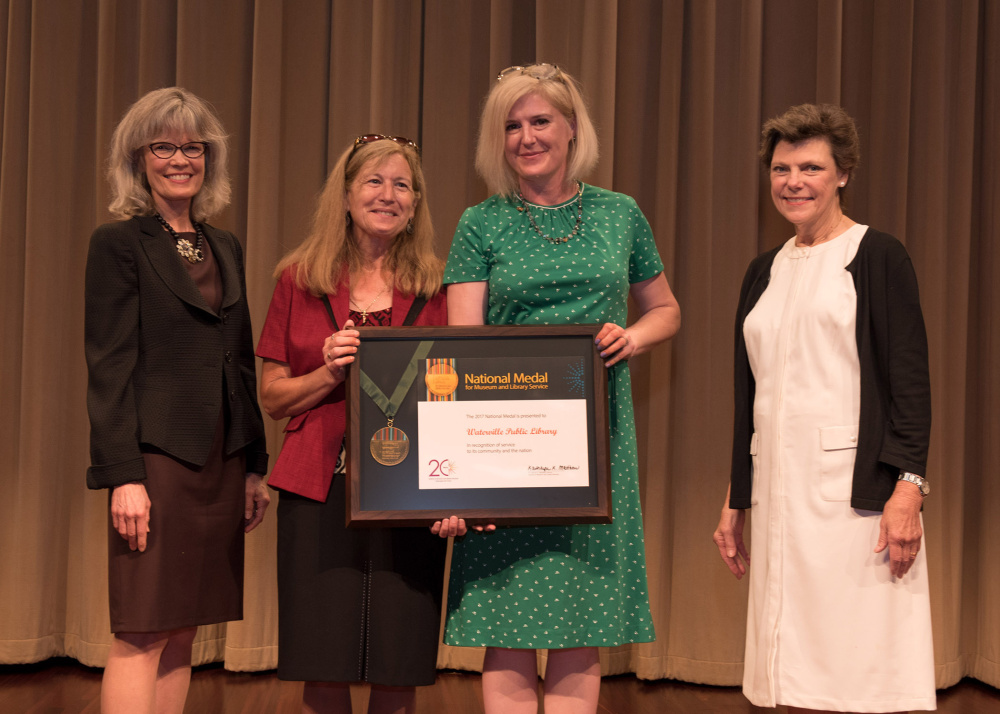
[[176, 433]]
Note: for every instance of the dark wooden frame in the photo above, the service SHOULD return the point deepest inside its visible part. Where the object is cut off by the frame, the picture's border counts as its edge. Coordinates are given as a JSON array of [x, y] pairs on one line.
[[534, 504]]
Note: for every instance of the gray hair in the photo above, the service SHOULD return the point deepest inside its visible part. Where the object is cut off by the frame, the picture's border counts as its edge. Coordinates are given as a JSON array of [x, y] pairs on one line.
[[154, 114]]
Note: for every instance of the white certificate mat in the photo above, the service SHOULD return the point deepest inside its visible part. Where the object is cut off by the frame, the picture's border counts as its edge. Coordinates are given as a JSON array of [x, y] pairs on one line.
[[540, 443]]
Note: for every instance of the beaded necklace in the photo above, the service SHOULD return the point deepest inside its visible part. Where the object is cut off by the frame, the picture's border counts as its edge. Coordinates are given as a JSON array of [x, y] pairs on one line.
[[192, 253], [526, 207]]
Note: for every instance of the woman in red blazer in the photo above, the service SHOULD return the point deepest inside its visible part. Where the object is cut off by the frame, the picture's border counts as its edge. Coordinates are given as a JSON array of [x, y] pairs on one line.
[[354, 604]]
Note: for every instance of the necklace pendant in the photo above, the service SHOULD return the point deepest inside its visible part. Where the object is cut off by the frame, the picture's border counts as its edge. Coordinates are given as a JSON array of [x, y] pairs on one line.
[[189, 252], [364, 311]]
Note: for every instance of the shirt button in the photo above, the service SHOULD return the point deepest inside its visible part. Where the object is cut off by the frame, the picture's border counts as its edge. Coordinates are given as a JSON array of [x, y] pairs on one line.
[[229, 356], [232, 395]]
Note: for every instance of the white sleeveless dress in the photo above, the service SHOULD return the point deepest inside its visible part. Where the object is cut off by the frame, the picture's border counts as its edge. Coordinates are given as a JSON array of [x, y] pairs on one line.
[[828, 626]]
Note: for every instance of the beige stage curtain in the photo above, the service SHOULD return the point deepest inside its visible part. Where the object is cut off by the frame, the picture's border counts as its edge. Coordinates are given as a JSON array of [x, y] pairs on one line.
[[678, 91]]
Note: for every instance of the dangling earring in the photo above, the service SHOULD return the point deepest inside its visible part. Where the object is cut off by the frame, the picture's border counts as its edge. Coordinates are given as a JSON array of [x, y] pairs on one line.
[[409, 227], [348, 218]]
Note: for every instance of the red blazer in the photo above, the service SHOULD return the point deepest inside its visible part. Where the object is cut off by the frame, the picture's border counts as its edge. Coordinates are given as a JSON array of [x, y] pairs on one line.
[[296, 325]]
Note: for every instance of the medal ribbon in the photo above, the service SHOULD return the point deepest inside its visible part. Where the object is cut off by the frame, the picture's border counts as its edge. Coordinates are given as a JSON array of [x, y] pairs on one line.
[[389, 405]]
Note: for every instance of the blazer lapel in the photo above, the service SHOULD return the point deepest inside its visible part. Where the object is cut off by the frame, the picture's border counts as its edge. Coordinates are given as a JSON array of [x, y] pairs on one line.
[[400, 306], [226, 260], [163, 257], [341, 302]]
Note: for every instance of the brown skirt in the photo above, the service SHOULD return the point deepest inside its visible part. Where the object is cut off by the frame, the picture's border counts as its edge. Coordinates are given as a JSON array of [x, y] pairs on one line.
[[191, 572]]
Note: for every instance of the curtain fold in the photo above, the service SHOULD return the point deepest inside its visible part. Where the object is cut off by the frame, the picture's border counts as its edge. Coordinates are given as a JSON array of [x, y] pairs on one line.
[[678, 90]]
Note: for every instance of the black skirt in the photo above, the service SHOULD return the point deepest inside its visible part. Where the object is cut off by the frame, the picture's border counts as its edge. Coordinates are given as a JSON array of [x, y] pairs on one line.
[[355, 604]]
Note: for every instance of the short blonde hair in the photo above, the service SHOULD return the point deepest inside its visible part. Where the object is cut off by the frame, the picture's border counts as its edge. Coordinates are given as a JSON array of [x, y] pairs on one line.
[[320, 259], [155, 114], [561, 91]]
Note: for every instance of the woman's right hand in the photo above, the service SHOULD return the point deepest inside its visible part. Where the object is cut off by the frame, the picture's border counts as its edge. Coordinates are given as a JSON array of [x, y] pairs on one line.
[[130, 514], [728, 537], [339, 350]]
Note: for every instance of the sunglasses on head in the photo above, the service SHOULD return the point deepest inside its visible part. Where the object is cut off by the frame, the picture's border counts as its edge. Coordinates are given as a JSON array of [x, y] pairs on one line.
[[370, 138], [540, 71]]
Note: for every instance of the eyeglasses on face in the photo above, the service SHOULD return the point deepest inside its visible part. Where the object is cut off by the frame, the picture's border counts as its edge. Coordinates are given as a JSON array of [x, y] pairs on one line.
[[542, 70], [369, 138], [192, 149]]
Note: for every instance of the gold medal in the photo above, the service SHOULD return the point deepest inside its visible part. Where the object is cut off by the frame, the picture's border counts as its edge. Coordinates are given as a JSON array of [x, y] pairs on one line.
[[441, 379], [389, 445]]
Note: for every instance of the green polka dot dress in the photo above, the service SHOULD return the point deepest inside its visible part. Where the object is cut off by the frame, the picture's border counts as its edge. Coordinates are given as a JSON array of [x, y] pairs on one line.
[[558, 586]]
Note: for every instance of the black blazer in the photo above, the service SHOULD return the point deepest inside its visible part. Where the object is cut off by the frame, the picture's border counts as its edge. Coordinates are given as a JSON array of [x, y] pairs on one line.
[[160, 361]]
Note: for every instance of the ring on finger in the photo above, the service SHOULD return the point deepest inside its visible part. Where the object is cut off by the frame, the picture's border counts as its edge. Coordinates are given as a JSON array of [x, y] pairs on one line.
[[329, 356], [913, 554]]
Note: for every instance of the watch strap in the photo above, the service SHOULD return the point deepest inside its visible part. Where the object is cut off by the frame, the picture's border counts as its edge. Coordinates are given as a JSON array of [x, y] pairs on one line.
[[917, 480]]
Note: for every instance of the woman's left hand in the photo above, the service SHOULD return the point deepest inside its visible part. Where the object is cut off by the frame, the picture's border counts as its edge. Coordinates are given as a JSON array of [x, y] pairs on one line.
[[659, 319], [614, 343], [900, 528], [257, 499], [454, 527]]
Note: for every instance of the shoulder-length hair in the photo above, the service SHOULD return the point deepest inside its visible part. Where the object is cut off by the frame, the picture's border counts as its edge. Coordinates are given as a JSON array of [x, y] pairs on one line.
[[815, 121], [321, 258], [560, 90], [155, 114]]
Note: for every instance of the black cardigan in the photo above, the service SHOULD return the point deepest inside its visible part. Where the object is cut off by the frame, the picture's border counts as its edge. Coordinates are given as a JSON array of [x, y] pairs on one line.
[[895, 419], [160, 361]]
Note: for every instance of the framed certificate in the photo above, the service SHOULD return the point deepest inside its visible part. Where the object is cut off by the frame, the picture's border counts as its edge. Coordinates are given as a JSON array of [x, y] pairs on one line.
[[499, 424]]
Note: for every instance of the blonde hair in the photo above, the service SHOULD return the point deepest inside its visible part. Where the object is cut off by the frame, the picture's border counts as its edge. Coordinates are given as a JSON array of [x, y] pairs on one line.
[[562, 92], [330, 246], [155, 114]]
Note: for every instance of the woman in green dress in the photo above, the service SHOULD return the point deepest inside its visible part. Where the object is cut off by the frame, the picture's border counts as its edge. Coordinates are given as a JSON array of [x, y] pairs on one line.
[[548, 249]]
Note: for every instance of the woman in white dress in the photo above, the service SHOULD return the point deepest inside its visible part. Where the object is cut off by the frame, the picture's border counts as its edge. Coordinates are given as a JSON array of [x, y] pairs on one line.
[[830, 444]]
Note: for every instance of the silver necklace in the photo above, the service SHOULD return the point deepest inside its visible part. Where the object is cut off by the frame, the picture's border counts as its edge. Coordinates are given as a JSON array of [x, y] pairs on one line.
[[526, 207]]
